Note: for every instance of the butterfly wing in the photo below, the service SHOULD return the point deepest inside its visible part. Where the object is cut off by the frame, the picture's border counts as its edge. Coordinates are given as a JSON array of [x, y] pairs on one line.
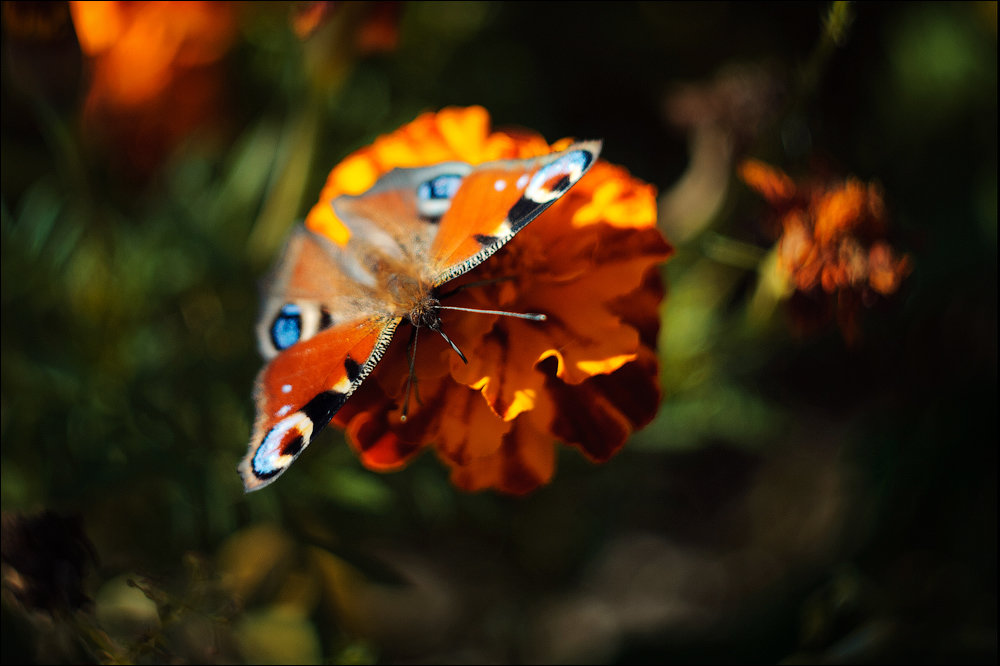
[[330, 310], [301, 389], [496, 200], [324, 327]]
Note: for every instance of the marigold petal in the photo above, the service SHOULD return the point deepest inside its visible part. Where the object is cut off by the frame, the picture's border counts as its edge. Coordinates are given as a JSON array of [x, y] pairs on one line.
[[465, 130], [640, 308], [604, 366], [397, 150], [796, 242], [563, 144], [502, 368], [839, 211], [135, 71], [523, 399], [372, 417], [599, 414], [98, 24], [877, 212], [525, 460], [499, 146], [887, 272], [771, 183], [139, 47], [354, 175], [469, 429], [373, 427], [828, 278], [580, 324], [378, 447], [324, 221], [615, 199], [516, 144]]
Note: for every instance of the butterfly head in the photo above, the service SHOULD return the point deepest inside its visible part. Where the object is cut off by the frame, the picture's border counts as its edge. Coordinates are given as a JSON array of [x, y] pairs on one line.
[[426, 312]]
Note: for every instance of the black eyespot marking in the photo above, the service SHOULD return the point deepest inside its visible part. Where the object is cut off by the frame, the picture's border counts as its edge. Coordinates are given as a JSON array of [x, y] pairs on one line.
[[520, 213], [322, 408], [561, 185], [353, 369], [293, 446], [287, 327], [325, 319], [485, 240]]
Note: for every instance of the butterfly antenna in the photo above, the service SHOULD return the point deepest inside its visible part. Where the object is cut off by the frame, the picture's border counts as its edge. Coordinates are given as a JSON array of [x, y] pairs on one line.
[[412, 375], [533, 316]]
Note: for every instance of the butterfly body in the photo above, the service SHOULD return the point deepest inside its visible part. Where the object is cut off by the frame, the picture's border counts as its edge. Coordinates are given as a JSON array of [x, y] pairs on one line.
[[331, 309]]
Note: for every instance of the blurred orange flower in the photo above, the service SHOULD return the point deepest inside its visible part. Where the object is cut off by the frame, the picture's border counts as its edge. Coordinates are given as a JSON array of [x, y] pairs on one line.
[[588, 377], [338, 34], [832, 239], [375, 30], [154, 70]]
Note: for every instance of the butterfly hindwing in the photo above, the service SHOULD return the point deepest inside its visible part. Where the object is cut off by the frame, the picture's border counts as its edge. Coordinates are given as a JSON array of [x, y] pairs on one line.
[[316, 284], [398, 217]]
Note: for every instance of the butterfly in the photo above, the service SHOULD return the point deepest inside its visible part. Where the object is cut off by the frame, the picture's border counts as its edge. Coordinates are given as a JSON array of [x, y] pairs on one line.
[[331, 310]]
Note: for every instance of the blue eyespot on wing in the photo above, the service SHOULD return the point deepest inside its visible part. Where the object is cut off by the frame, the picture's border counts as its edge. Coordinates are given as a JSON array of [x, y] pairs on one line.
[[434, 196], [287, 327]]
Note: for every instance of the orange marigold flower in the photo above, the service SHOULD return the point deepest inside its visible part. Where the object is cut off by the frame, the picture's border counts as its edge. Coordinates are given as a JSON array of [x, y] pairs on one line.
[[153, 77], [831, 238], [587, 377]]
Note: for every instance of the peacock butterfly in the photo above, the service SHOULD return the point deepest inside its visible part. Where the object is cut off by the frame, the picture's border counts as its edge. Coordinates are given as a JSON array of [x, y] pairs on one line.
[[331, 310]]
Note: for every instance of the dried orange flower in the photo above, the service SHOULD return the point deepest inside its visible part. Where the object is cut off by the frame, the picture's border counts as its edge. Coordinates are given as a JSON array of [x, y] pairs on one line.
[[587, 376], [375, 28], [153, 76], [831, 239]]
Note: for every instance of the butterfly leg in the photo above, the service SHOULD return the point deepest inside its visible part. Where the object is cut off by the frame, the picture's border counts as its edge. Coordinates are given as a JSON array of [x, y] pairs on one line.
[[411, 378], [453, 345]]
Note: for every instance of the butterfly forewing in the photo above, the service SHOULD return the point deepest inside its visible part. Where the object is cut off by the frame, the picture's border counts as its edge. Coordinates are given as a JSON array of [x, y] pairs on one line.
[[397, 218], [497, 199], [316, 285]]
